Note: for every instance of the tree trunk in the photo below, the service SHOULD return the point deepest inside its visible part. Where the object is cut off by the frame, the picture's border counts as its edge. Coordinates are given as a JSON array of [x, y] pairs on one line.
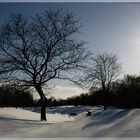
[[105, 98], [105, 107], [43, 103], [43, 110]]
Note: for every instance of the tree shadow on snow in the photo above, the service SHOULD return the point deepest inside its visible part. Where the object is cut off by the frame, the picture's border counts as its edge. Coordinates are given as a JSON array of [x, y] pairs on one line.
[[24, 121]]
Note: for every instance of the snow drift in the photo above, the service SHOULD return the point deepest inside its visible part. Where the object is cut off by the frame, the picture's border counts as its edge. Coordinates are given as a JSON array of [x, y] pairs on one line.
[[111, 123]]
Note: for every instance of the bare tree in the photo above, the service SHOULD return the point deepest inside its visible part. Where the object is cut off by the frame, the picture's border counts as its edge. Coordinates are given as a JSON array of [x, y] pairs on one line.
[[35, 50], [130, 81], [104, 69]]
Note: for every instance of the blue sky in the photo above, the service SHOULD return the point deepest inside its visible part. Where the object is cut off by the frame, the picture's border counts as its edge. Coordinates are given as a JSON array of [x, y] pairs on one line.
[[107, 27]]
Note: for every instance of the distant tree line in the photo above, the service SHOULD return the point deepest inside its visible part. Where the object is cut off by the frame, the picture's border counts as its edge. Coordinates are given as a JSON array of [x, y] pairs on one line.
[[14, 97], [124, 93]]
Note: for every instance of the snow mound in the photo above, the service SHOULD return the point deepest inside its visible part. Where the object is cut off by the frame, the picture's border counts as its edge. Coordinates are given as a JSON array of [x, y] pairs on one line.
[[18, 113]]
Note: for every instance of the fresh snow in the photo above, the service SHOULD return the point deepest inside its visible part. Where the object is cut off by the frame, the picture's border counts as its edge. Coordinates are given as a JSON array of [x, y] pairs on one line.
[[110, 123]]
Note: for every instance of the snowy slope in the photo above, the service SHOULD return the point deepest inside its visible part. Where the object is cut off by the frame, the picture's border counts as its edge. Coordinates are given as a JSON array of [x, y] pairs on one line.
[[110, 123]]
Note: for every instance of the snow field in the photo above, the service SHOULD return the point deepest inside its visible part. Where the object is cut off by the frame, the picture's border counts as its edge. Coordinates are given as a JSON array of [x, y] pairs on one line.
[[111, 123]]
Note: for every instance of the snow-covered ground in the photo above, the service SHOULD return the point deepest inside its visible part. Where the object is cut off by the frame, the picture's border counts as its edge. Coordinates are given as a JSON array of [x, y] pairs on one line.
[[15, 123]]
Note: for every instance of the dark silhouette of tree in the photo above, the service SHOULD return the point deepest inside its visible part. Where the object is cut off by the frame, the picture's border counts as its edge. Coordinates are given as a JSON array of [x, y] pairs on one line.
[[35, 50], [130, 81], [127, 91], [104, 69]]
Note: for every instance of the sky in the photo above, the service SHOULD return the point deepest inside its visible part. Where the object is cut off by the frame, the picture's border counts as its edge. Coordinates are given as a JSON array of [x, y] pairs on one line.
[[107, 27]]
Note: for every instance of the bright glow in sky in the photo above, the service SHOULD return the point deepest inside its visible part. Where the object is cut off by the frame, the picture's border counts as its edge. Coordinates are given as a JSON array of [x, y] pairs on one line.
[[107, 27], [65, 91]]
